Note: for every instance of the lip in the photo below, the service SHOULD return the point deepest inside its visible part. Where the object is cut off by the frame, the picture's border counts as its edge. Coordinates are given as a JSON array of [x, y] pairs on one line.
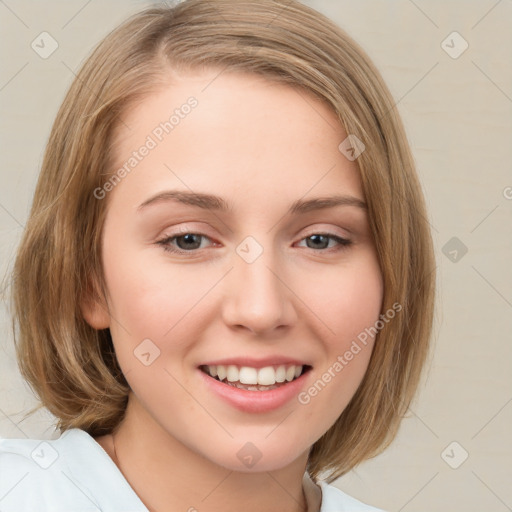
[[254, 401], [256, 363]]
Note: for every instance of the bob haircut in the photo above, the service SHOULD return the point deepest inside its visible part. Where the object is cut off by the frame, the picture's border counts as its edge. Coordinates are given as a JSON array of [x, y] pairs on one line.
[[72, 367]]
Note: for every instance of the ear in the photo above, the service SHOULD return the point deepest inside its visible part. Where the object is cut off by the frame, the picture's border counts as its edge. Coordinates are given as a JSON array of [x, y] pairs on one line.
[[94, 307]]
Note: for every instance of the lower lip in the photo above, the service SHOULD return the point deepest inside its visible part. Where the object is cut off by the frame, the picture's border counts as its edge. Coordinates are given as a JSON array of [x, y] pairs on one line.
[[255, 401]]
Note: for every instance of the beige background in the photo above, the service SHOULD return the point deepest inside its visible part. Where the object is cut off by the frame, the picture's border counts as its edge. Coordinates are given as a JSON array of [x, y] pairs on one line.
[[458, 114]]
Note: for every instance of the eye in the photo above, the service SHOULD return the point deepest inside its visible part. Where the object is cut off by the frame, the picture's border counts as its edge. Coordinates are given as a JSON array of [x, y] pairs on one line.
[[188, 240], [191, 242], [320, 239]]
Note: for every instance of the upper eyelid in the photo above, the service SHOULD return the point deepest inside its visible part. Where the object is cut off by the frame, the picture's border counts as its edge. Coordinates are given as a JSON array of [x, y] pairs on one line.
[[310, 230]]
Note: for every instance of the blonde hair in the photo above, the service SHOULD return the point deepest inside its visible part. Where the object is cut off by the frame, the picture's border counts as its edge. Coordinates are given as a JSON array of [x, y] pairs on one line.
[[71, 366]]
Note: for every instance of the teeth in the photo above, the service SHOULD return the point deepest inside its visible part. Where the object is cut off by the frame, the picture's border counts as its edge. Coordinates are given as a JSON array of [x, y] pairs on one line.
[[232, 373], [280, 374], [247, 375], [251, 388], [219, 370], [266, 376]]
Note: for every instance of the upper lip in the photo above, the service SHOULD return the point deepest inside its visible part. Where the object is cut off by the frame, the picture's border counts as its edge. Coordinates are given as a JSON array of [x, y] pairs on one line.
[[256, 362]]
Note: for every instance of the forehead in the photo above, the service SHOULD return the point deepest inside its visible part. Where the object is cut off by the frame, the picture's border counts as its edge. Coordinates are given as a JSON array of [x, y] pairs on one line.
[[243, 131]]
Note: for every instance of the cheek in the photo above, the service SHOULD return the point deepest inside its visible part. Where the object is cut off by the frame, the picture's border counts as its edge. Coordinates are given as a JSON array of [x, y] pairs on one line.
[[360, 303], [149, 297], [350, 299], [351, 311], [151, 304], [153, 309]]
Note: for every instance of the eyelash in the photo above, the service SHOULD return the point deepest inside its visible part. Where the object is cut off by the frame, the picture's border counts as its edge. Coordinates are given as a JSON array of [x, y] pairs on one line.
[[343, 242]]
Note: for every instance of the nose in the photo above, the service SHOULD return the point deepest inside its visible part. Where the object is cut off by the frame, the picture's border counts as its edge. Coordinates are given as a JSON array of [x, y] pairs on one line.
[[258, 297]]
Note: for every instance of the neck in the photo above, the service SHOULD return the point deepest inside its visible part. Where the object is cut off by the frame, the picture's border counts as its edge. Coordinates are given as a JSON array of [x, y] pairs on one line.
[[166, 475]]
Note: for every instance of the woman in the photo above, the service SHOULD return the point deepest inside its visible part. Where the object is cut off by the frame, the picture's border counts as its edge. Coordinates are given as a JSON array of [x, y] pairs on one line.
[[282, 348]]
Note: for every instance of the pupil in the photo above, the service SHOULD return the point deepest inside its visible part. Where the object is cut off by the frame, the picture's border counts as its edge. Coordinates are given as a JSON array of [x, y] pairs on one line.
[[189, 238], [316, 237]]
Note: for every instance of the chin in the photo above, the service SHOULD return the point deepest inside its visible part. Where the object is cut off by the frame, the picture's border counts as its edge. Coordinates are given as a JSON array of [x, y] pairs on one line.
[[255, 457]]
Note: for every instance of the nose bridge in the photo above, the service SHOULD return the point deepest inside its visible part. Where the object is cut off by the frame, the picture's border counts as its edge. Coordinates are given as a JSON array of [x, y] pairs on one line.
[[257, 297]]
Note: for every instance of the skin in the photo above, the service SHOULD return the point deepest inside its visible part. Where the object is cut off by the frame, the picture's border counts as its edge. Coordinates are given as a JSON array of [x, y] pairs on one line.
[[260, 146]]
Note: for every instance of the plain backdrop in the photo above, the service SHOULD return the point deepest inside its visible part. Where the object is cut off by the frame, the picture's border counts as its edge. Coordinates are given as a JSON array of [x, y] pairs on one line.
[[453, 451]]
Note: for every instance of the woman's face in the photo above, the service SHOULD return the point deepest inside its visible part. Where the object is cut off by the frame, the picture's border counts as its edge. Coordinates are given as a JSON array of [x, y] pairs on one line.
[[217, 251]]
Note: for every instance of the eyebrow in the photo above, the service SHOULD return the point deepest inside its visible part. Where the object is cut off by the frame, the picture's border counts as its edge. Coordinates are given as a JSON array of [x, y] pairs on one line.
[[216, 203]]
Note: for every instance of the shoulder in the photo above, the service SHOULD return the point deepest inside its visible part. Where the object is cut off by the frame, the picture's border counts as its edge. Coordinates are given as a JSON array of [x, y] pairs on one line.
[[44, 456], [69, 473], [31, 470], [335, 500], [21, 459]]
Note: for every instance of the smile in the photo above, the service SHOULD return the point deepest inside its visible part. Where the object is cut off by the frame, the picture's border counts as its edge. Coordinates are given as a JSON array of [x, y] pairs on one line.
[[255, 379], [255, 390]]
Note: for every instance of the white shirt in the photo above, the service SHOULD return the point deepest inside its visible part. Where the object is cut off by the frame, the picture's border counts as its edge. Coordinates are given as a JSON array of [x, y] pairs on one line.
[[75, 474]]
